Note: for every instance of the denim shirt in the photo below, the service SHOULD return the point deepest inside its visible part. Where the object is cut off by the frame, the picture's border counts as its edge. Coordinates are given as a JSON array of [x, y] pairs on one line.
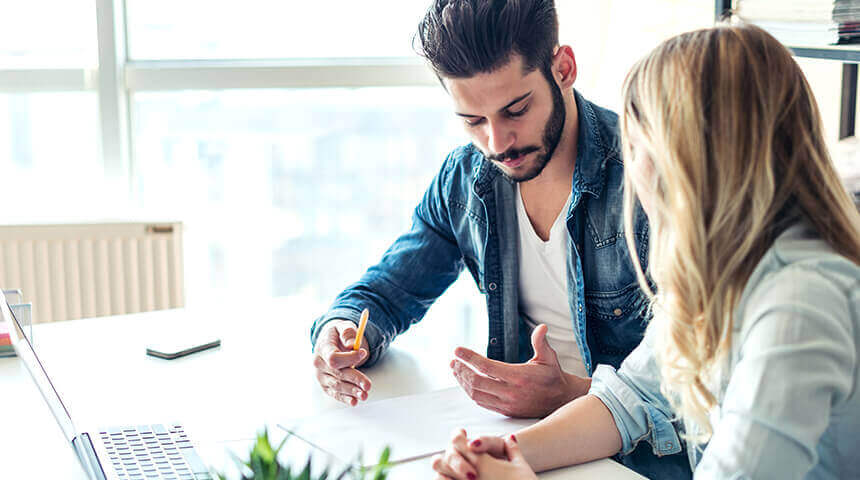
[[467, 218], [788, 404]]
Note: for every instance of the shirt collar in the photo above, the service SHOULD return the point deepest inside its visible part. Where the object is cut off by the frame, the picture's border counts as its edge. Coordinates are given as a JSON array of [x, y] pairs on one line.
[[596, 144]]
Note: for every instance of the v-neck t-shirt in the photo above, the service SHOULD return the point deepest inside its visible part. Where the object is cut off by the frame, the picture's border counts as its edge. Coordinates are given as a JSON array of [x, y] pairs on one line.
[[543, 292]]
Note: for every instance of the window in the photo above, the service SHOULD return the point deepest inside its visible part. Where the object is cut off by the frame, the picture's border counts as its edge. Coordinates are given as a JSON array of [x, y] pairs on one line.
[[49, 154], [286, 188], [291, 191], [49, 135], [295, 192], [258, 29], [64, 39]]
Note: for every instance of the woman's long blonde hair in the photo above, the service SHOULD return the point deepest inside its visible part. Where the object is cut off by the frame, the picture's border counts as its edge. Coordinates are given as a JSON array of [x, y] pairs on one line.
[[734, 134]]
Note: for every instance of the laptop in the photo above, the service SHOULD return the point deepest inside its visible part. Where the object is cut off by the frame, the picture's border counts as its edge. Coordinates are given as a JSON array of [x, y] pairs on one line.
[[139, 452]]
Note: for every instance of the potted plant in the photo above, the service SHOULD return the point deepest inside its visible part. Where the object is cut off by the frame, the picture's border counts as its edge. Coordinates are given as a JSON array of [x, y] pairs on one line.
[[263, 464]]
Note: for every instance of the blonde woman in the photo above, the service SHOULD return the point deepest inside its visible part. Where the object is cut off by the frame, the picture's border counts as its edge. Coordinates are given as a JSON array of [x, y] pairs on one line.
[[752, 355]]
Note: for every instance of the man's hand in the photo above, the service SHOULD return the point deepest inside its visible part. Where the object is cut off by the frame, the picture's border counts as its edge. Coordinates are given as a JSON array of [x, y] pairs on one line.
[[529, 390], [336, 362]]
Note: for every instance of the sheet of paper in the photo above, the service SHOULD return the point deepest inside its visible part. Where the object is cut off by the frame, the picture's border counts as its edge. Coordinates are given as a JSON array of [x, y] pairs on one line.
[[413, 426]]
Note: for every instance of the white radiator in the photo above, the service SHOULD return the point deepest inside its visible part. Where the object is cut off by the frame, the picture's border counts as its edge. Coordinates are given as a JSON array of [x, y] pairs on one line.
[[91, 270]]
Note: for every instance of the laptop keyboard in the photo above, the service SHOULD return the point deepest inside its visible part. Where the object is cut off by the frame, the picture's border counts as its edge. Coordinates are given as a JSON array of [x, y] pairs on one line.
[[153, 452]]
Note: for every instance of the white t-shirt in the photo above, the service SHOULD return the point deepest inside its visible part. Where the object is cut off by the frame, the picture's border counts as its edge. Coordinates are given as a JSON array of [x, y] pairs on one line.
[[543, 295]]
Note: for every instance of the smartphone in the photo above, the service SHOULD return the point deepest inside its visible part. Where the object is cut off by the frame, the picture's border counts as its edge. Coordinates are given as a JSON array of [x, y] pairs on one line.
[[170, 349]]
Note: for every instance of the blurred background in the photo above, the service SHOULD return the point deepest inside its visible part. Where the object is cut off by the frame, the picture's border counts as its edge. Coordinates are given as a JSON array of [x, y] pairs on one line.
[[291, 139]]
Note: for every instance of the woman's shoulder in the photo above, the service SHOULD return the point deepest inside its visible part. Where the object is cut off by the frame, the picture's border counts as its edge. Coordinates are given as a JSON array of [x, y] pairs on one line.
[[802, 273]]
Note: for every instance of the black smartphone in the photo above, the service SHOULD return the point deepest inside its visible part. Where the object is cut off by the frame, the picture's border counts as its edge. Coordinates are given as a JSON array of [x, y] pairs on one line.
[[170, 349]]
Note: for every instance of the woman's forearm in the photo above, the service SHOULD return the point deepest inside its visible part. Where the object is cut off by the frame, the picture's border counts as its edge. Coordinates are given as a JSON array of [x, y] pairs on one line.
[[581, 431]]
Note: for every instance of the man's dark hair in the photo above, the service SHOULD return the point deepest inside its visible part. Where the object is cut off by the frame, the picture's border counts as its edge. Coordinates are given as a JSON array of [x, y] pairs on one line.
[[461, 38]]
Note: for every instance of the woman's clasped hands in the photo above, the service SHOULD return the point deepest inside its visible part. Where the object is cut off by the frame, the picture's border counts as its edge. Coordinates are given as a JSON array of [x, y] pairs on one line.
[[488, 458]]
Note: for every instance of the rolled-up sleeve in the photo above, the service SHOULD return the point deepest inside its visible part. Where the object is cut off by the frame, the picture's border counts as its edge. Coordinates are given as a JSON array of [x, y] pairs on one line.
[[632, 395]]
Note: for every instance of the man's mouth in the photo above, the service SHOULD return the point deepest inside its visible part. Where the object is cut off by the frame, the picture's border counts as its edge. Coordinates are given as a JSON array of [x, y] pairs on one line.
[[514, 162], [513, 158]]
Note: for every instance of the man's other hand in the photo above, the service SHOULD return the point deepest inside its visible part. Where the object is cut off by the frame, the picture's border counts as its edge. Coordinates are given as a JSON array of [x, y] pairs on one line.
[[527, 390], [336, 361]]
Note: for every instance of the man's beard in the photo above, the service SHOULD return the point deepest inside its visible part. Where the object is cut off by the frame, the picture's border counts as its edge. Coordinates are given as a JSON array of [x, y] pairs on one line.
[[551, 136]]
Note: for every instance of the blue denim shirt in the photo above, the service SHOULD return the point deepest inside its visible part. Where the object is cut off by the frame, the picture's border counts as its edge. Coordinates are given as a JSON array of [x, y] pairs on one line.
[[467, 218], [788, 402]]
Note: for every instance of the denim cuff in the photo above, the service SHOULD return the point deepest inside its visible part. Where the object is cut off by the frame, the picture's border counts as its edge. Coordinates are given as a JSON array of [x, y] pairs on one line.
[[635, 418], [372, 334]]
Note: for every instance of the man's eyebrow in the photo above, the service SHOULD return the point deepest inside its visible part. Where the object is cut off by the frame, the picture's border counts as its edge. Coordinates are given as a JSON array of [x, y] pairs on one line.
[[509, 105]]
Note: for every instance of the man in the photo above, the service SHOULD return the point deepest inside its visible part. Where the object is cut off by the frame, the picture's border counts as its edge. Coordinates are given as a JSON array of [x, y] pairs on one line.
[[532, 208]]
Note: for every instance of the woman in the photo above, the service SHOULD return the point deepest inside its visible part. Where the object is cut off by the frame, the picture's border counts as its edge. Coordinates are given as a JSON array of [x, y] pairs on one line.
[[752, 353]]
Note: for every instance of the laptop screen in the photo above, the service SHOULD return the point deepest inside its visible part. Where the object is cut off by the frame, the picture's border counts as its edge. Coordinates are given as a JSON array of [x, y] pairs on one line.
[[25, 351]]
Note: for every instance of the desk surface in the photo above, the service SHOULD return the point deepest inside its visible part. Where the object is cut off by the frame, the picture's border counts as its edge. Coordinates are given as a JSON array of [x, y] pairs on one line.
[[261, 374]]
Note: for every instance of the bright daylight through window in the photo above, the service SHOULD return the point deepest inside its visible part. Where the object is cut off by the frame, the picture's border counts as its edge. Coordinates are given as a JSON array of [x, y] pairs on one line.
[[292, 143]]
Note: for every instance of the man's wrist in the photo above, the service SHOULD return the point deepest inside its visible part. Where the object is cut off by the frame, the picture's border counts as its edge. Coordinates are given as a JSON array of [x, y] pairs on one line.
[[577, 386]]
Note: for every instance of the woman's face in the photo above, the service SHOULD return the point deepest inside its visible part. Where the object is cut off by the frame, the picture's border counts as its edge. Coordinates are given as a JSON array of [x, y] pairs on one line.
[[640, 167]]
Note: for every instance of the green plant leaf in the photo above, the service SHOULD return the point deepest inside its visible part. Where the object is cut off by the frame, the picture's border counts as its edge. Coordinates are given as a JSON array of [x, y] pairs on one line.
[[344, 473], [380, 470], [263, 464], [306, 473], [257, 468]]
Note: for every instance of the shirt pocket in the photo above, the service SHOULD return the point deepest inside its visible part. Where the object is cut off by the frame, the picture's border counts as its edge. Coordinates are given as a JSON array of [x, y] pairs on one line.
[[616, 320]]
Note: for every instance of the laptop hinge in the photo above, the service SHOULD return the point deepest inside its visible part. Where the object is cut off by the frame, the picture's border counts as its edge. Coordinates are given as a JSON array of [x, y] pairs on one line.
[[87, 455]]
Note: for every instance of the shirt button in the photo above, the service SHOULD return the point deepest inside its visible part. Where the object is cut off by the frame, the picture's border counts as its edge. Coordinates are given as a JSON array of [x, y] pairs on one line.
[[494, 341], [617, 312], [580, 308], [491, 286]]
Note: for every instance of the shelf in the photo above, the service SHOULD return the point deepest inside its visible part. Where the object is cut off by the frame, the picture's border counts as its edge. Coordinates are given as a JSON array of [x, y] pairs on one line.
[[842, 53]]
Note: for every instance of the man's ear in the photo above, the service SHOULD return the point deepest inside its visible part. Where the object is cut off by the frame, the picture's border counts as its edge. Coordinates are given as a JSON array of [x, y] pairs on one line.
[[564, 67]]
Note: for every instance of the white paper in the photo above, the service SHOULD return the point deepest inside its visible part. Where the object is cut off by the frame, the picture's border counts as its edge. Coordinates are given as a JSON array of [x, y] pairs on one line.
[[413, 426]]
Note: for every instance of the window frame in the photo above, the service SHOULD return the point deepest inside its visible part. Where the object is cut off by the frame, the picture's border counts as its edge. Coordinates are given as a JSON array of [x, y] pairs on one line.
[[117, 78]]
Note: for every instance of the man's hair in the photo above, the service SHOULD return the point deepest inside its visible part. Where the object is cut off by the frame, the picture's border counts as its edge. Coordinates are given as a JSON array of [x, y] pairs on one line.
[[462, 38]]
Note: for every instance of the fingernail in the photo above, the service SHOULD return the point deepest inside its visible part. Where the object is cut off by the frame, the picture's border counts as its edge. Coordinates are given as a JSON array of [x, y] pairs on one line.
[[471, 476], [514, 438], [476, 443]]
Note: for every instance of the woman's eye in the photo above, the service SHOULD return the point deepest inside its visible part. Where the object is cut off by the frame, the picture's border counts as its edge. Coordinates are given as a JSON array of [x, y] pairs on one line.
[[474, 123]]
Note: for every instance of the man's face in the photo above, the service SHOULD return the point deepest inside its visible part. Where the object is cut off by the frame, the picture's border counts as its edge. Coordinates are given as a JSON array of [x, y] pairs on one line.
[[515, 119]]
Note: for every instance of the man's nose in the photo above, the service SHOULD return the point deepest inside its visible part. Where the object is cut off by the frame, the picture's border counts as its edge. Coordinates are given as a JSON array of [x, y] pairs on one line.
[[499, 138]]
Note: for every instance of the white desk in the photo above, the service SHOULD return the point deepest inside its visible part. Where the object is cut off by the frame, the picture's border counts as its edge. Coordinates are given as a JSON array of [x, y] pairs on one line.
[[261, 374]]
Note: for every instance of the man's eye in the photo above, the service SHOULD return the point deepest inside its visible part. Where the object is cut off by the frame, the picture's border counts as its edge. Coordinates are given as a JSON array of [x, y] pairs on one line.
[[518, 113], [474, 123]]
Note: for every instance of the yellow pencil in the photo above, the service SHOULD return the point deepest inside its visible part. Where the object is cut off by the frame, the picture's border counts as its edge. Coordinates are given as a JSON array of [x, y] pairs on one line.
[[361, 324]]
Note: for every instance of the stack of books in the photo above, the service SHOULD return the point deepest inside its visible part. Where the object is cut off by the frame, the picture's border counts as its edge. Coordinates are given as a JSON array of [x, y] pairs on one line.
[[805, 22], [6, 349]]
